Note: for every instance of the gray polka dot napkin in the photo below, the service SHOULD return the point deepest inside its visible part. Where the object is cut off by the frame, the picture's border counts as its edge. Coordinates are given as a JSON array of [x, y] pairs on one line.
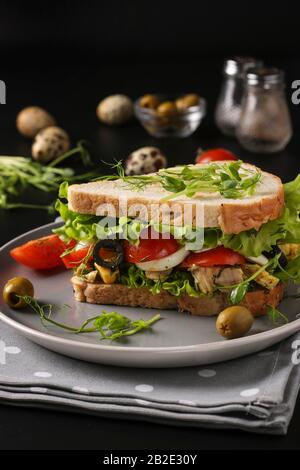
[[255, 393]]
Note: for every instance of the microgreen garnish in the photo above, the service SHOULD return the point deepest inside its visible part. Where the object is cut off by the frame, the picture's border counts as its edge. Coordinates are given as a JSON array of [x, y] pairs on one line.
[[238, 293], [286, 273], [19, 173], [231, 179], [276, 316], [240, 290], [110, 325]]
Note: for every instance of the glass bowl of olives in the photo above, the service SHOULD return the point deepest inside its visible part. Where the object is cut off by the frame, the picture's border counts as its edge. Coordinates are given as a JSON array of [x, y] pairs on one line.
[[170, 116]]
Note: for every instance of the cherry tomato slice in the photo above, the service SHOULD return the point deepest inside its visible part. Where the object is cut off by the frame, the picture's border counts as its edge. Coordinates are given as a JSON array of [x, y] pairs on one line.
[[43, 253], [75, 257], [219, 256], [149, 249], [214, 155]]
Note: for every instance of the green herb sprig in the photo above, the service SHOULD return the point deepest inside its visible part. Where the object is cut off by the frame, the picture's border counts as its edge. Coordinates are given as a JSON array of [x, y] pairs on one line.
[[19, 173], [276, 316], [110, 325], [240, 290], [231, 179]]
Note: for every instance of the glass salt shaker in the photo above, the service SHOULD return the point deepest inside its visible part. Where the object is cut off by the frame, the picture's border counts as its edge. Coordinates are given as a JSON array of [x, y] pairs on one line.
[[265, 123], [227, 112]]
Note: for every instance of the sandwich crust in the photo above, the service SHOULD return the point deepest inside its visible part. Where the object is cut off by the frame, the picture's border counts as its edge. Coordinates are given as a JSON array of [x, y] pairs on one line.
[[118, 294], [235, 218], [231, 215]]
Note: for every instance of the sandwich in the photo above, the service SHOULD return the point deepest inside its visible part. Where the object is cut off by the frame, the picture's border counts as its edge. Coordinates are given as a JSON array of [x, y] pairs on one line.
[[196, 238]]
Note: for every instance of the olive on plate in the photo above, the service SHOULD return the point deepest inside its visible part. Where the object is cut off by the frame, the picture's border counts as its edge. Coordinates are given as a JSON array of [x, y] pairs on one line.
[[15, 289], [234, 322]]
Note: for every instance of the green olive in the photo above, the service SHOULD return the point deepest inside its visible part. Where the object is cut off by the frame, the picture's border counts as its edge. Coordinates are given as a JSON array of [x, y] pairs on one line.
[[15, 287], [187, 101], [149, 101], [167, 109], [234, 322]]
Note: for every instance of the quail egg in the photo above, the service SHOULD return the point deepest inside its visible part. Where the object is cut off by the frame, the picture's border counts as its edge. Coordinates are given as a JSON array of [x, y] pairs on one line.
[[115, 109], [50, 143], [33, 119], [145, 160]]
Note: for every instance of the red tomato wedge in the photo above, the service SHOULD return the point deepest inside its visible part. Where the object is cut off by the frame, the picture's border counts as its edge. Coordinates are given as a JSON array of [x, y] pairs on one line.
[[219, 256], [75, 257], [214, 155], [43, 253], [149, 249]]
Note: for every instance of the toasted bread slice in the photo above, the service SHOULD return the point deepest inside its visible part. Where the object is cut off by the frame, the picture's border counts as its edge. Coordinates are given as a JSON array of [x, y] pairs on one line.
[[118, 294], [231, 215]]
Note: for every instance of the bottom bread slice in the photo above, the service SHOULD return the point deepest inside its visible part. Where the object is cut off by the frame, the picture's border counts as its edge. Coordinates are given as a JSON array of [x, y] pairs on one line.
[[118, 294]]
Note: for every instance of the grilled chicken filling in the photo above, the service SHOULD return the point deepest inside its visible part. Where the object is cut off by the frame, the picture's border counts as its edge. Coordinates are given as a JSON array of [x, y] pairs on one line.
[[208, 278]]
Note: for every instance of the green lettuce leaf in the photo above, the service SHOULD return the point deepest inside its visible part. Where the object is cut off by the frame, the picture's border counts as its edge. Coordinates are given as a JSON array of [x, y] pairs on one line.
[[252, 242], [84, 227], [180, 283], [80, 227], [177, 283], [292, 194], [211, 237], [291, 272], [285, 229]]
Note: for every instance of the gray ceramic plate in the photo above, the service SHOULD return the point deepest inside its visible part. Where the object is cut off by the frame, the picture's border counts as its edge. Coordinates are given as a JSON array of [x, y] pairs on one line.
[[177, 340]]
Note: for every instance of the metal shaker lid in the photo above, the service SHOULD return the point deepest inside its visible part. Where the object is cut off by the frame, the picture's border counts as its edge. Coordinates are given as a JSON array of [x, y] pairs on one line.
[[265, 76], [240, 65]]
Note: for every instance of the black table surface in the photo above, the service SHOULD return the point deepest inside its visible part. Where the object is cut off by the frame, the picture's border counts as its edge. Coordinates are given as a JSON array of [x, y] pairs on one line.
[[72, 94]]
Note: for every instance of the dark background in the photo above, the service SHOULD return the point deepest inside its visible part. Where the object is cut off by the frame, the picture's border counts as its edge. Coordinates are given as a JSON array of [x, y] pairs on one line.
[[96, 30], [66, 56]]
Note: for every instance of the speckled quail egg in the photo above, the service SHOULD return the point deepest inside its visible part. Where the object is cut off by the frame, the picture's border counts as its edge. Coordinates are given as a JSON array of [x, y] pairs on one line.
[[50, 143], [145, 160], [115, 109], [33, 119]]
